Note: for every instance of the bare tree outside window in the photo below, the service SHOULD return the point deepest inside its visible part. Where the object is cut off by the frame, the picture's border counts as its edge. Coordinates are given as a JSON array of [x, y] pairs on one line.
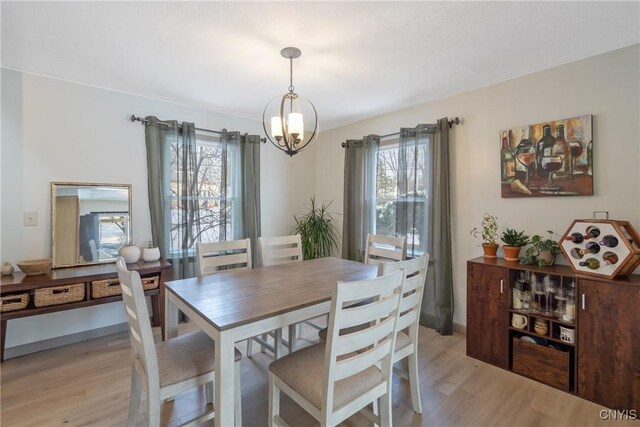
[[205, 215]]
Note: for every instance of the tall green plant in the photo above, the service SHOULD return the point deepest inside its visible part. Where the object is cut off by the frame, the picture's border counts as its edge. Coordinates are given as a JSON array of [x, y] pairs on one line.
[[317, 230]]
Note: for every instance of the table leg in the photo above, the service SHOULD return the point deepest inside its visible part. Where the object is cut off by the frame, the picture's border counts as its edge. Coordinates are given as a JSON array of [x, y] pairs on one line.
[[171, 318], [225, 383], [3, 334], [155, 310]]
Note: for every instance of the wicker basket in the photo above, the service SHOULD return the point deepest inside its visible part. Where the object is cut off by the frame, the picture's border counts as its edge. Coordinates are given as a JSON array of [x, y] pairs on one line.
[[105, 288], [13, 302], [149, 283], [111, 287], [58, 295]]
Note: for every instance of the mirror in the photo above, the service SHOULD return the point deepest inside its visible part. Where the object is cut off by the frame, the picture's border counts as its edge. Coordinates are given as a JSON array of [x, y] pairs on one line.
[[89, 222]]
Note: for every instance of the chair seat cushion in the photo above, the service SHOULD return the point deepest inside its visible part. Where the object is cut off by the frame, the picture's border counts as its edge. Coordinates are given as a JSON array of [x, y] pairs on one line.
[[402, 338], [304, 371], [186, 356]]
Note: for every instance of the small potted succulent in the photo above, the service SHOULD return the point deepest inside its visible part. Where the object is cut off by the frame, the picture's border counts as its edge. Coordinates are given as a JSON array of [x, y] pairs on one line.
[[542, 251], [489, 235], [513, 240]]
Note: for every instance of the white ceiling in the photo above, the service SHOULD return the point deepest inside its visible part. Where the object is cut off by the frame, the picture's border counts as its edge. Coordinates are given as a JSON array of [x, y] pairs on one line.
[[359, 59]]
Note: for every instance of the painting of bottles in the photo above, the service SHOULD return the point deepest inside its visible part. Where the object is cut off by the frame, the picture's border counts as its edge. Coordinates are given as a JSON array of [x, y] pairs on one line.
[[552, 158]]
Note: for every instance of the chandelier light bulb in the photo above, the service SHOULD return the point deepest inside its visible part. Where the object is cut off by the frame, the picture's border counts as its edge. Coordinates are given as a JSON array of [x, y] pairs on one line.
[[276, 127], [295, 123]]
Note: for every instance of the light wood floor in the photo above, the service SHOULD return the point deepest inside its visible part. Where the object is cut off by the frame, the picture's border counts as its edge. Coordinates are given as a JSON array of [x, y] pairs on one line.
[[88, 384]]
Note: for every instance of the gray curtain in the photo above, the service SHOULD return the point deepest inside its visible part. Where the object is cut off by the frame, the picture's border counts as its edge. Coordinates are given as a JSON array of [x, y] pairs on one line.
[[173, 211], [178, 216], [441, 271], [246, 220], [360, 161]]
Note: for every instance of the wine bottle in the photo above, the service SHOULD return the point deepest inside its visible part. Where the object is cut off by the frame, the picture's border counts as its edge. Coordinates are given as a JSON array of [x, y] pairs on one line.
[[610, 258], [576, 238], [508, 162], [591, 263], [592, 247], [544, 149], [562, 149], [592, 232], [610, 241]]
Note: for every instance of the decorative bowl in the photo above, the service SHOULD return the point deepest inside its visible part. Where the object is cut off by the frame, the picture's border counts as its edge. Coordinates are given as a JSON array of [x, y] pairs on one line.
[[35, 267]]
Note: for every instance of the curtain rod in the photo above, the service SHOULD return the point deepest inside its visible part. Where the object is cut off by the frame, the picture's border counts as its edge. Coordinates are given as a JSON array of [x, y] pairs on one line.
[[140, 119], [454, 121]]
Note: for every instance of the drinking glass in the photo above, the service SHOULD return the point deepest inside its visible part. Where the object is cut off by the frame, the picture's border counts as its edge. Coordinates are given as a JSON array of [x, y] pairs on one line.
[[551, 164], [549, 291], [536, 289], [526, 300]]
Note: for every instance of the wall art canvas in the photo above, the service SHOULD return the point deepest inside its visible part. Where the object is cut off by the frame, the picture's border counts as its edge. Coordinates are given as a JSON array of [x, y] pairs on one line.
[[552, 158]]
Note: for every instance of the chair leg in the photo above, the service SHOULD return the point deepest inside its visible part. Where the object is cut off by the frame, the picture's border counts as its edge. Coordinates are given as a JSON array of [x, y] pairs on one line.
[[274, 400], [385, 410], [249, 346], [263, 349], [414, 383], [292, 338], [208, 391], [134, 400], [238, 396], [153, 403], [277, 344], [376, 411]]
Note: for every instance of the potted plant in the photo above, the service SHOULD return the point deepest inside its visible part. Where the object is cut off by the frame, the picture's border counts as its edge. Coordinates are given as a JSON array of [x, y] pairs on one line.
[[542, 251], [513, 241], [317, 230], [489, 235]]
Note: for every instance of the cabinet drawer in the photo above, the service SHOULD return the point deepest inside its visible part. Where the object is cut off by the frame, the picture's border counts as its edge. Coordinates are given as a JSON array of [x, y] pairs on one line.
[[541, 363]]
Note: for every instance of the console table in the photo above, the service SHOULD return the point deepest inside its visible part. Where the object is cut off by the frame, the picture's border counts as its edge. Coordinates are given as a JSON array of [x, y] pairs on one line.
[[81, 286]]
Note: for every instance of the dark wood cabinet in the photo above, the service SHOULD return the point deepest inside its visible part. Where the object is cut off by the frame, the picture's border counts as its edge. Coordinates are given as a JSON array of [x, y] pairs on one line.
[[602, 364], [609, 339], [487, 327]]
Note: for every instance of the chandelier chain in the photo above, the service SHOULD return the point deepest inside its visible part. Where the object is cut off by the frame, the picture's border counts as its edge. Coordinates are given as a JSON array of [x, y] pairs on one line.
[[291, 86]]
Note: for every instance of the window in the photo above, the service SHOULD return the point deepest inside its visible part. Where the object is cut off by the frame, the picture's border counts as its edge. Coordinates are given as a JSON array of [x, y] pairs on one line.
[[114, 229], [201, 208], [401, 194]]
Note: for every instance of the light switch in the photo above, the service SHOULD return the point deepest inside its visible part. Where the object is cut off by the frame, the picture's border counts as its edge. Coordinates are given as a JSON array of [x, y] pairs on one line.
[[30, 218]]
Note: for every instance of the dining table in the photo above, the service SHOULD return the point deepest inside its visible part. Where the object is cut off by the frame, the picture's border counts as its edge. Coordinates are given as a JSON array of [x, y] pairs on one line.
[[234, 305]]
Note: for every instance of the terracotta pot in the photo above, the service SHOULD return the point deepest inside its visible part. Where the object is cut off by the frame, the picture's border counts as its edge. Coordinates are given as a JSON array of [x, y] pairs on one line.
[[547, 256], [490, 250], [511, 253]]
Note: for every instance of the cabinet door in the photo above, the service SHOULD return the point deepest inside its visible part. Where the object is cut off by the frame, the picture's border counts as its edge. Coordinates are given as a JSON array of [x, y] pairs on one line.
[[609, 344], [488, 314]]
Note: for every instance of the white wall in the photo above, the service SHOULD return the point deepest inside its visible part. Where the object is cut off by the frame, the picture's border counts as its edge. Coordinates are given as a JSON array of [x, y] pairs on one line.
[[53, 130], [606, 86]]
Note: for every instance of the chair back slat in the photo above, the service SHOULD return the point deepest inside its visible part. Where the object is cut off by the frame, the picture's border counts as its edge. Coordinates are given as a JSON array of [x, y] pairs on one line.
[[415, 272], [382, 249], [361, 361], [379, 300], [279, 250], [348, 343], [141, 337], [215, 256]]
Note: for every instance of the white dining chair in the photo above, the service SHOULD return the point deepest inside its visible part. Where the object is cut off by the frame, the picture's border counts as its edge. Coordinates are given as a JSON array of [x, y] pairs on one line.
[[353, 370], [406, 346], [170, 367], [214, 257], [380, 249], [415, 271], [283, 250]]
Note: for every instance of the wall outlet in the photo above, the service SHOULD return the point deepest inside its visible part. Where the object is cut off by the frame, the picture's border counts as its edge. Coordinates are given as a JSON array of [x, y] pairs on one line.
[[30, 218]]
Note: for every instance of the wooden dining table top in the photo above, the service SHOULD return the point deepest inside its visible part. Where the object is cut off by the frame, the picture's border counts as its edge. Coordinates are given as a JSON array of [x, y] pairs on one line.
[[232, 298]]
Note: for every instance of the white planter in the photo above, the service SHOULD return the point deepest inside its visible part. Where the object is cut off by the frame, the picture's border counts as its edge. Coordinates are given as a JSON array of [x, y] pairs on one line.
[[130, 254], [151, 254]]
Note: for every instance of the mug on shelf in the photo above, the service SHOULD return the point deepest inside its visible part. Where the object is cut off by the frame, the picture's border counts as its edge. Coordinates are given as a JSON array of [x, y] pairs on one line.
[[567, 334], [519, 321]]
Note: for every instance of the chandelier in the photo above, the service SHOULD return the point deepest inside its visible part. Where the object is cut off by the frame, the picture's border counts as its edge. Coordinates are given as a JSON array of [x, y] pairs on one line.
[[287, 125]]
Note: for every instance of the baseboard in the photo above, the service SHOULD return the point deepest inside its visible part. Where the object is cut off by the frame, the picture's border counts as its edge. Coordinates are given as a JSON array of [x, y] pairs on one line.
[[429, 320], [21, 350]]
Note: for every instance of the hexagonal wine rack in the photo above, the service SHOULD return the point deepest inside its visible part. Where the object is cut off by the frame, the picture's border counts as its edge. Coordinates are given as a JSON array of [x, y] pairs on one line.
[[613, 244]]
